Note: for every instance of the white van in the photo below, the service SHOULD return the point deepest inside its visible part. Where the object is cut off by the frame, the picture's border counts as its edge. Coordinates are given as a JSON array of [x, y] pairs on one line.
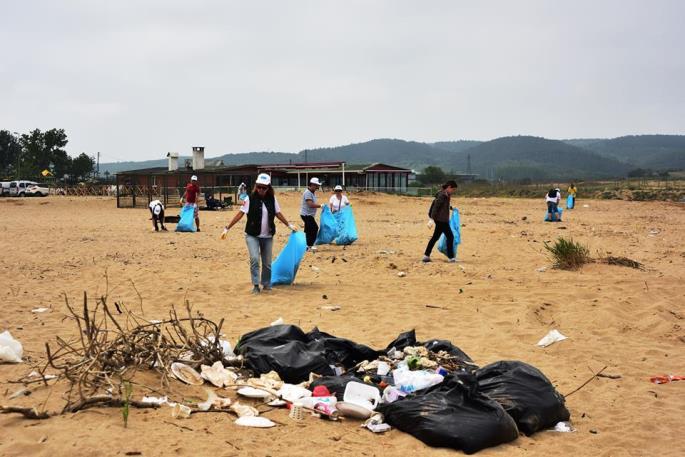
[[18, 188], [4, 188]]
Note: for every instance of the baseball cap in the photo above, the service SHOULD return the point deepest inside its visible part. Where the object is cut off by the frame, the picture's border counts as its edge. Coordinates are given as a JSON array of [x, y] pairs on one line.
[[264, 179], [338, 187], [193, 178], [315, 181]]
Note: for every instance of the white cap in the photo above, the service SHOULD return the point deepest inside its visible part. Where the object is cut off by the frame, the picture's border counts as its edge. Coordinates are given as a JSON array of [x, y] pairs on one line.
[[193, 178], [264, 179], [315, 181], [338, 187]]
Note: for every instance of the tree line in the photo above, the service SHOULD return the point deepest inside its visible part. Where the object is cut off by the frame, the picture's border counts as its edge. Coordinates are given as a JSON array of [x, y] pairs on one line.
[[27, 155]]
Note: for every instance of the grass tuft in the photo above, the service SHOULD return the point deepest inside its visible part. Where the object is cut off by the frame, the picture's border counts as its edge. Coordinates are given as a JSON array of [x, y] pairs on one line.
[[568, 254]]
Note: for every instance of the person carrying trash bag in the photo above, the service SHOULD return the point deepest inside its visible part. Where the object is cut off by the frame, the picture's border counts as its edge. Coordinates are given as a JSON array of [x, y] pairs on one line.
[[439, 214], [553, 197], [308, 212], [190, 197], [455, 225], [261, 208], [571, 199], [157, 213]]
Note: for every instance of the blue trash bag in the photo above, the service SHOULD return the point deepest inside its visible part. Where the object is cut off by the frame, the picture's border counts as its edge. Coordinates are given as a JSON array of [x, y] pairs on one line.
[[347, 228], [455, 225], [187, 221], [328, 227], [559, 212], [284, 268], [570, 202]]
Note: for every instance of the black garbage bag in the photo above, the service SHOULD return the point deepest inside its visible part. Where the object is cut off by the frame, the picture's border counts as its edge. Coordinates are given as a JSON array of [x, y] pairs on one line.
[[342, 351], [286, 350], [335, 384], [525, 393], [402, 341], [447, 346], [452, 414]]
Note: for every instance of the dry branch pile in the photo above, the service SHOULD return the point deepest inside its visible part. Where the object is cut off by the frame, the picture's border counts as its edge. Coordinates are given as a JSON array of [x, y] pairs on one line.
[[112, 346]]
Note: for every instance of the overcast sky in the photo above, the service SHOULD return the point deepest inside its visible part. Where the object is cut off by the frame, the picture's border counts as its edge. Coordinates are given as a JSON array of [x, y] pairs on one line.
[[135, 79]]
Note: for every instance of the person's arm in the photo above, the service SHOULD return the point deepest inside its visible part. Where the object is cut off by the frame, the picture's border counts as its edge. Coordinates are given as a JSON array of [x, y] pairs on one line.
[[311, 204], [239, 215], [282, 218], [183, 197]]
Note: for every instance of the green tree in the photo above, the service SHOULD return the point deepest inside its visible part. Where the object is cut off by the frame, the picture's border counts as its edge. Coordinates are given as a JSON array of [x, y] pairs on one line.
[[82, 167], [432, 175], [44, 150], [10, 151]]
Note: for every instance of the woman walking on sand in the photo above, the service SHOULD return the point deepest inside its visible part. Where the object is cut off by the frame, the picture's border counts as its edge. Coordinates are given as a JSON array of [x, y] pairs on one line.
[[261, 208], [439, 213]]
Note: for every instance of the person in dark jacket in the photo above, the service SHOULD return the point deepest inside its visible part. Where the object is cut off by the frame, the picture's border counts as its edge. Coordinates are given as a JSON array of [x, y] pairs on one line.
[[261, 208], [440, 215]]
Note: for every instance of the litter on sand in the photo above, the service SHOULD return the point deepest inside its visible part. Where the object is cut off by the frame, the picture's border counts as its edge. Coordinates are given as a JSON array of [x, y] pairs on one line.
[[552, 337], [11, 350]]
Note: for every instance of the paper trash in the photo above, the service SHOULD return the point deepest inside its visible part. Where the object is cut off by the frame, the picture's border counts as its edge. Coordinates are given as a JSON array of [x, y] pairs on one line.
[[552, 337], [10, 349]]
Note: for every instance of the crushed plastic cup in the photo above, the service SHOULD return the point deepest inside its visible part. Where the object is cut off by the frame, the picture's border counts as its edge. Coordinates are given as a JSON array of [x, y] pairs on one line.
[[180, 411], [296, 412], [383, 368]]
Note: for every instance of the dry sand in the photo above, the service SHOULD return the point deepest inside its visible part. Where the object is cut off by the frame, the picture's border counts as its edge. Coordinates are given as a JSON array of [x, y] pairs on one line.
[[629, 320]]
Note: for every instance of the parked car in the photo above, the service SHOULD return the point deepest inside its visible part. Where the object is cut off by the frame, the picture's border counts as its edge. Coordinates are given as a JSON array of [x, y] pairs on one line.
[[37, 190], [4, 188], [18, 188]]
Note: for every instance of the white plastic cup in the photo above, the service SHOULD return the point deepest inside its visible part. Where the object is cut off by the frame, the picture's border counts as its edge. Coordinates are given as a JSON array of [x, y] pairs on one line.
[[180, 411]]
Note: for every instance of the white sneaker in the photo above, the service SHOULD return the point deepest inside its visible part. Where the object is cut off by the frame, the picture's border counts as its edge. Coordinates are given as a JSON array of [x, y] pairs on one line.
[[426, 259], [452, 260], [313, 248]]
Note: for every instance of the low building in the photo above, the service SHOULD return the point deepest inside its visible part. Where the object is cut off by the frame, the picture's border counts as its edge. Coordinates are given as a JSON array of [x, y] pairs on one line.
[[137, 187]]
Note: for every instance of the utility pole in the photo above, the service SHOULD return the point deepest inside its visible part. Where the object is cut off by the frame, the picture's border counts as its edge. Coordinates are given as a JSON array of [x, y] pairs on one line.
[[97, 167]]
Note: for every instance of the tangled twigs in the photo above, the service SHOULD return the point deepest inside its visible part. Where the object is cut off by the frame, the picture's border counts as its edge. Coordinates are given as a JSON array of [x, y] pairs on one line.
[[101, 400], [111, 348]]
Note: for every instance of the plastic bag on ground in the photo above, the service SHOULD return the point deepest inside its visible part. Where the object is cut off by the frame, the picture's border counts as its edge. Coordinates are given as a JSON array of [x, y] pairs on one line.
[[187, 221], [11, 350], [525, 393], [328, 227], [284, 268], [411, 381], [455, 225], [453, 415], [347, 227], [342, 351]]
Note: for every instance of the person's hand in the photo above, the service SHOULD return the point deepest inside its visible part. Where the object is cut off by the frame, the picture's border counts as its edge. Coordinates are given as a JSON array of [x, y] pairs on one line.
[[180, 202], [431, 223], [224, 233], [292, 227]]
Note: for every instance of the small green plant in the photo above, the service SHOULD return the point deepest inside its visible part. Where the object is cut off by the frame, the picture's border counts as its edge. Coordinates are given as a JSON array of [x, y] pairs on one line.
[[568, 254], [128, 390]]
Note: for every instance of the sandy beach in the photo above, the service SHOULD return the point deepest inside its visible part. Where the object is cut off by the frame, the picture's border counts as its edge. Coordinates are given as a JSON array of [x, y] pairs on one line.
[[495, 304]]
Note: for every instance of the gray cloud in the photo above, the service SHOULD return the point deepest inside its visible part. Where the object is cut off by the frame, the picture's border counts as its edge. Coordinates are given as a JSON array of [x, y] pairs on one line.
[[135, 79]]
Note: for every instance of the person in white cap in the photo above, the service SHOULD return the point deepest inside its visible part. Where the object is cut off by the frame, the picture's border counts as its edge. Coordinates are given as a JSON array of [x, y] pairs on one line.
[[261, 208], [157, 212], [308, 212], [338, 201], [190, 197]]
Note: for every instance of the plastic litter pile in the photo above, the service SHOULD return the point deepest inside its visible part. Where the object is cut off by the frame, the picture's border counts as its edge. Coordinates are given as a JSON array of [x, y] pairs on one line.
[[431, 389]]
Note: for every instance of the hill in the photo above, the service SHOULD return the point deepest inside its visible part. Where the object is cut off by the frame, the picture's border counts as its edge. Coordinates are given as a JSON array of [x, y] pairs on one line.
[[658, 152], [536, 158]]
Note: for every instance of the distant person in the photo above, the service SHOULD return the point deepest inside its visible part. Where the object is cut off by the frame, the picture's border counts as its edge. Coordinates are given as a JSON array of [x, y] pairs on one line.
[[308, 212], [157, 212], [242, 193], [553, 198], [572, 191], [261, 208], [190, 197], [440, 215], [338, 200]]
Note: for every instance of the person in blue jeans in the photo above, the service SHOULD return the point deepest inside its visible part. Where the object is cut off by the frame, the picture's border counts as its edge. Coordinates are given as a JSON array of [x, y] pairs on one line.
[[261, 208]]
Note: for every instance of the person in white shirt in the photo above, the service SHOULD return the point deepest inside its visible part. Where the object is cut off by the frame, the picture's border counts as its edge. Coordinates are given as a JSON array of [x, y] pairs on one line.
[[338, 201], [553, 198], [157, 212], [261, 208]]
